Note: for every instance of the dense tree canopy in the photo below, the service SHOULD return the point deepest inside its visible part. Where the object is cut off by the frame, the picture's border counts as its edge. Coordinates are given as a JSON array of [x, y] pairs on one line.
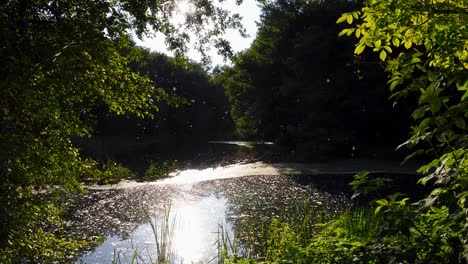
[[61, 60], [199, 114], [202, 116], [297, 84]]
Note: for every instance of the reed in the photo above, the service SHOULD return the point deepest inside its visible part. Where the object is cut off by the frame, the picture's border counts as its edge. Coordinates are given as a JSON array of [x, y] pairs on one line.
[[302, 235], [163, 234], [361, 223]]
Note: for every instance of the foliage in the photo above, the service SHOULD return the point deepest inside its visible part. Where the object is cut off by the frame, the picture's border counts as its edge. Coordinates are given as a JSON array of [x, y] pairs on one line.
[[300, 240], [202, 115], [364, 185], [297, 85], [115, 172], [359, 236], [199, 113], [62, 63], [55, 74], [41, 235], [157, 171], [423, 46]]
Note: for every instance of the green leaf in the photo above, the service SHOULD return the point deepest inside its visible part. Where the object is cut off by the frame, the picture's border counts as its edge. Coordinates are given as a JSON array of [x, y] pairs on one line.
[[383, 55], [377, 209], [350, 31], [435, 106], [418, 113], [358, 32], [459, 122], [342, 32], [349, 19], [382, 202], [403, 202], [431, 76], [341, 19], [463, 87], [394, 84], [415, 60], [357, 244], [377, 44], [408, 44], [424, 124], [396, 42], [359, 49], [464, 96]]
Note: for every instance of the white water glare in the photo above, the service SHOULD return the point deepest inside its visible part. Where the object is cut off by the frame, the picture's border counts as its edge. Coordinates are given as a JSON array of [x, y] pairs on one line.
[[196, 236]]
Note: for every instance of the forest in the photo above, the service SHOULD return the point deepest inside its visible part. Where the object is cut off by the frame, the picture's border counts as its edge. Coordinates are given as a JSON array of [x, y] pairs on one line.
[[81, 104]]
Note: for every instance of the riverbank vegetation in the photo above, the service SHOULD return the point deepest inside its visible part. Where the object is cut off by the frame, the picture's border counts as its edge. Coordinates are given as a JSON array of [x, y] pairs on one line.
[[76, 93], [65, 66], [422, 47]]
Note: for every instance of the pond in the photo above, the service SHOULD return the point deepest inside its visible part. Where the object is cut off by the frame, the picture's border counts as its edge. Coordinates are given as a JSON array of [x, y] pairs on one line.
[[203, 203]]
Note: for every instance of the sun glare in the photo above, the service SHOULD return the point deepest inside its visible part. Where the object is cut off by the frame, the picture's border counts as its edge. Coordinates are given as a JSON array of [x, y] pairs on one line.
[[182, 9], [194, 240]]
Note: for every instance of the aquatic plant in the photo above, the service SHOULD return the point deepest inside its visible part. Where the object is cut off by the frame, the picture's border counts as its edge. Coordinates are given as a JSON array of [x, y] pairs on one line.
[[163, 230], [309, 237], [164, 234]]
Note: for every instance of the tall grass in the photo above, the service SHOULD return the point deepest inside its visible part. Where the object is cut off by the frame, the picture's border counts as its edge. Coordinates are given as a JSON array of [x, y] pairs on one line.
[[303, 235], [118, 255], [226, 245], [164, 234], [258, 238], [308, 235], [362, 224], [163, 230]]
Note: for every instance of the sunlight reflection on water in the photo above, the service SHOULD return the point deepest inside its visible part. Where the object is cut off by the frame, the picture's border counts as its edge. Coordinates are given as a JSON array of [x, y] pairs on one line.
[[194, 241], [202, 200], [196, 237]]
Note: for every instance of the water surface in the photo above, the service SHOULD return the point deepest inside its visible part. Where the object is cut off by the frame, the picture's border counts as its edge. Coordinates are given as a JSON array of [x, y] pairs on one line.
[[201, 202]]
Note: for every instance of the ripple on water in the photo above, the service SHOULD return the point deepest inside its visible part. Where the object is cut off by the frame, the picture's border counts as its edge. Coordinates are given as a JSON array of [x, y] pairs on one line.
[[199, 207]]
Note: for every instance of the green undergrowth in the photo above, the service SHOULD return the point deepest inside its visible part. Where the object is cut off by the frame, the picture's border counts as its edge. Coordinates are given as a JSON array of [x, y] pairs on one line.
[[389, 229], [40, 233], [112, 172], [157, 171], [311, 237], [34, 219]]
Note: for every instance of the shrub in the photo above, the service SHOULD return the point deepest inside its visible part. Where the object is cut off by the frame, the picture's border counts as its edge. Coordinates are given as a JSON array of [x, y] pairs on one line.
[[114, 172], [157, 171]]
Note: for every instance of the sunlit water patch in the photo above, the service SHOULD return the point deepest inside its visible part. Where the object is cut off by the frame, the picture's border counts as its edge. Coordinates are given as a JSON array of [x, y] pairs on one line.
[[191, 176], [196, 225], [248, 144]]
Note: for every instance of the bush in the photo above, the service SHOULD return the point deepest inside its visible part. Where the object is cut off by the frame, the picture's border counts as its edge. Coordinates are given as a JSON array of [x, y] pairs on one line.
[[158, 171], [305, 238], [33, 228], [115, 172], [109, 173]]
